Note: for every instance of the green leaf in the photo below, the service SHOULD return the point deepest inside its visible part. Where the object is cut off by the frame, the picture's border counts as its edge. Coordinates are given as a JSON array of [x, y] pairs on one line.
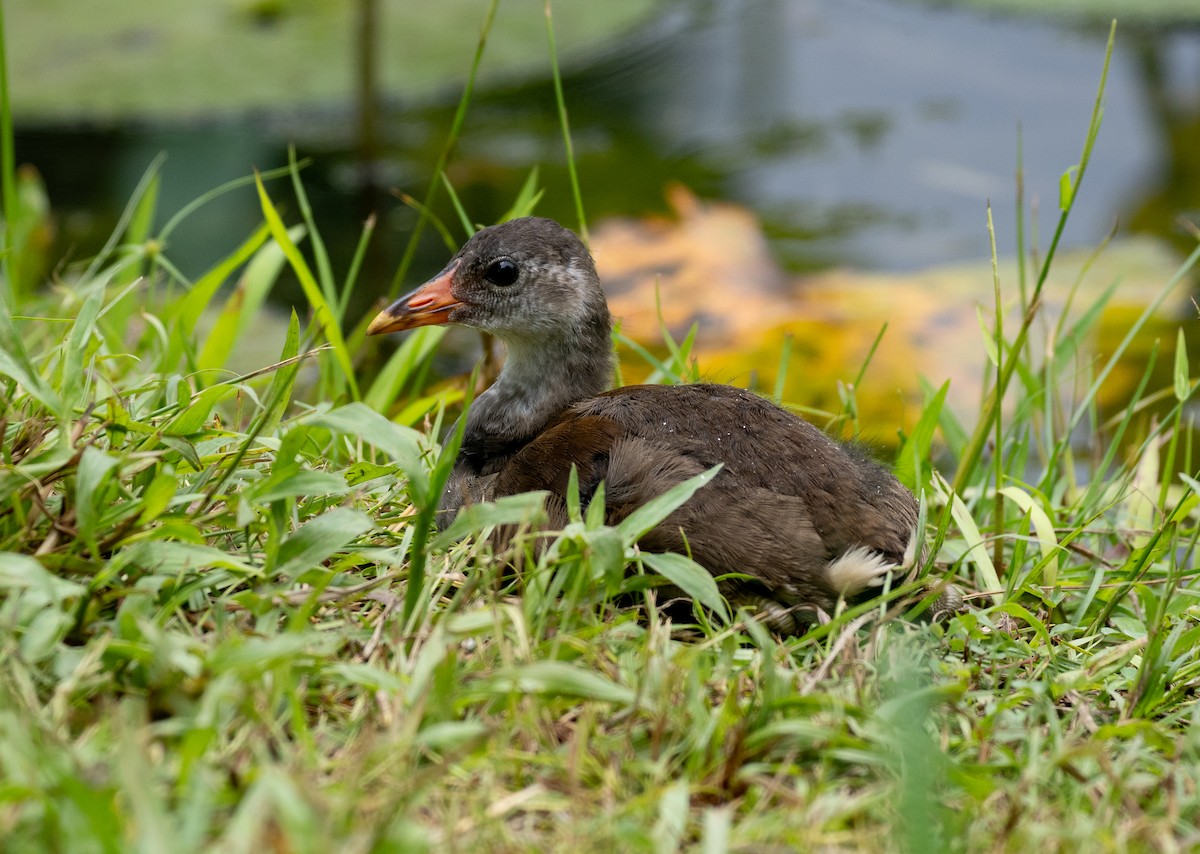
[[673, 806], [193, 419], [319, 538], [1043, 529], [21, 572], [655, 510], [75, 377], [280, 393], [526, 200], [94, 467], [157, 495], [248, 656], [976, 548], [244, 303], [367, 675], [401, 366], [557, 679], [187, 310], [1066, 188], [690, 577], [361, 472], [451, 735], [403, 444], [174, 558], [915, 448], [323, 312], [184, 448], [524, 508], [1183, 385], [297, 484], [989, 339], [14, 363]]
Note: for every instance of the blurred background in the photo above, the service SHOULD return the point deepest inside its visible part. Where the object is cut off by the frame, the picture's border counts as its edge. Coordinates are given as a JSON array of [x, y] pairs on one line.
[[858, 139]]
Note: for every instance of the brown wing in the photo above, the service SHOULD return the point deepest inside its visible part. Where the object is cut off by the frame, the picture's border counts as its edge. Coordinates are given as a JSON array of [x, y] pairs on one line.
[[769, 455], [787, 500]]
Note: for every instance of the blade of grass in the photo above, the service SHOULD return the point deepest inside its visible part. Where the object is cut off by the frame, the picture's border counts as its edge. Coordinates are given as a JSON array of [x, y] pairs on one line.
[[563, 123], [970, 457], [360, 251], [439, 167], [323, 315]]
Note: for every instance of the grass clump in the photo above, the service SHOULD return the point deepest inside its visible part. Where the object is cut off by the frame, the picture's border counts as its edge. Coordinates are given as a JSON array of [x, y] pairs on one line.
[[226, 623]]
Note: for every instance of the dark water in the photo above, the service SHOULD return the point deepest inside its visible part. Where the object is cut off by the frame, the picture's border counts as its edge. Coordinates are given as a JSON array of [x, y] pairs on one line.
[[863, 132]]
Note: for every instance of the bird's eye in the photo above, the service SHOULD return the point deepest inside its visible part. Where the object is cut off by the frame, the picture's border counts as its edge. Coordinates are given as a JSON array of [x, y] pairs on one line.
[[502, 272]]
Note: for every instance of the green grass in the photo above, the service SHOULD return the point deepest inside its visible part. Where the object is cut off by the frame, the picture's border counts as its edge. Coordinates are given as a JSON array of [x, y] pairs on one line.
[[226, 623]]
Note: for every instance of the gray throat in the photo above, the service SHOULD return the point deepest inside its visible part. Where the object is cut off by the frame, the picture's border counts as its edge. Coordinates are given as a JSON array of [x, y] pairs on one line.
[[540, 379]]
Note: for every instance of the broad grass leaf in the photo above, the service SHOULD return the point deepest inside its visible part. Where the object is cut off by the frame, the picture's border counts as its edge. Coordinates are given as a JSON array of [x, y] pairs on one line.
[[524, 508], [1017, 610], [451, 735], [558, 679], [718, 829], [976, 548], [367, 675], [22, 572], [166, 557], [673, 808], [186, 311], [323, 313], [248, 655], [402, 444], [527, 198], [185, 449], [194, 418], [157, 495], [641, 520], [361, 472], [74, 375], [280, 393], [690, 577], [1043, 528], [401, 366], [915, 449], [1066, 188], [244, 302], [297, 484], [1140, 513], [90, 476], [15, 364], [988, 338], [34, 599], [320, 537]]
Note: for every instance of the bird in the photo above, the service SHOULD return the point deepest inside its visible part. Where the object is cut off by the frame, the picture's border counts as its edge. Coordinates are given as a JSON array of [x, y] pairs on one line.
[[799, 519]]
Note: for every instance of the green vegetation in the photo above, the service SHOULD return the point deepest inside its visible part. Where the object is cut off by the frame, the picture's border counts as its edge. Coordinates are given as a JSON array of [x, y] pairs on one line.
[[226, 624], [177, 59]]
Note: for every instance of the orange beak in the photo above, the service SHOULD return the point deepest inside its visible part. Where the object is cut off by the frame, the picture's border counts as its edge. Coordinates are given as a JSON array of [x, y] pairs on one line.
[[428, 305]]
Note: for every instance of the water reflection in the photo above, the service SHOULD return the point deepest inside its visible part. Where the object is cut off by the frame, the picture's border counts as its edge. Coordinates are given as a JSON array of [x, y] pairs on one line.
[[863, 132], [1171, 191]]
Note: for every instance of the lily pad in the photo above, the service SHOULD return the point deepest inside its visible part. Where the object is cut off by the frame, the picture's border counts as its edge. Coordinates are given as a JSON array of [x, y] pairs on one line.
[[181, 59]]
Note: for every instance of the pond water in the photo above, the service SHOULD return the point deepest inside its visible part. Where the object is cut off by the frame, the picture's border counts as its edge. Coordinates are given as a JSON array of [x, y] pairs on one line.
[[865, 133]]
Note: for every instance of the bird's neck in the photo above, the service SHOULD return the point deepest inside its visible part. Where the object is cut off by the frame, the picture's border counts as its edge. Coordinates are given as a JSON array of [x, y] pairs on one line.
[[541, 378]]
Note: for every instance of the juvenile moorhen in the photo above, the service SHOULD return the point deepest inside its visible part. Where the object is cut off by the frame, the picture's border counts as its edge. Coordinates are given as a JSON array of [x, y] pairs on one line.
[[808, 519]]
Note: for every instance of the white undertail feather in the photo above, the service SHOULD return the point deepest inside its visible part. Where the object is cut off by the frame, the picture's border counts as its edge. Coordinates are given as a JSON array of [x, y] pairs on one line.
[[856, 570], [863, 567]]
